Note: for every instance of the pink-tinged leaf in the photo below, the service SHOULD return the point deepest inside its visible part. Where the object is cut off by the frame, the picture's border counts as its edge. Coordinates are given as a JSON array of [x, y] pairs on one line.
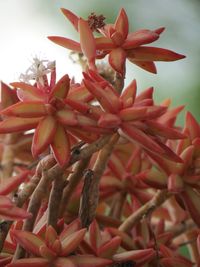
[[187, 157], [44, 135], [60, 90], [104, 43], [47, 253], [172, 262], [140, 37], [61, 146], [50, 236], [10, 184], [192, 125], [175, 183], [71, 17], [109, 120], [146, 94], [145, 65], [170, 115], [191, 200], [27, 92], [85, 121], [121, 24], [94, 235], [127, 241], [71, 242], [154, 178], [110, 183], [66, 43], [117, 58], [8, 96], [5, 261], [69, 229], [28, 109], [80, 93], [89, 261], [14, 124], [67, 117], [30, 262], [5, 202], [64, 262], [110, 248], [14, 213], [163, 130], [136, 135], [153, 54], [29, 241], [129, 94], [116, 165], [133, 113], [143, 255], [87, 42], [154, 112]]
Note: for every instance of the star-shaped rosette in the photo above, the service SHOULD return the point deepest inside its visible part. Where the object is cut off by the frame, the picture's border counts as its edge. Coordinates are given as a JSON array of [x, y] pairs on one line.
[[44, 107], [117, 43], [136, 118]]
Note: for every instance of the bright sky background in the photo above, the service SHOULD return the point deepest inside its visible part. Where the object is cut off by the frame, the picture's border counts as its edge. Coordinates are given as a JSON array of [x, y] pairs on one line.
[[24, 25]]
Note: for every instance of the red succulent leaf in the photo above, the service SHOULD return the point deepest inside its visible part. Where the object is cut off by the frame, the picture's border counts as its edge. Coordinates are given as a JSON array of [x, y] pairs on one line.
[[117, 58], [71, 17], [71, 242], [5, 202], [10, 184], [28, 109], [31, 262], [44, 135], [66, 43], [129, 94], [29, 241], [172, 261], [89, 261], [121, 24], [15, 124], [107, 250], [60, 90], [28, 92], [87, 42], [146, 65], [61, 146], [8, 96]]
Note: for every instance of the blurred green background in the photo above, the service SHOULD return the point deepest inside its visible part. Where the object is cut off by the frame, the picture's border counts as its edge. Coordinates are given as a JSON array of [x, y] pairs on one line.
[[24, 25]]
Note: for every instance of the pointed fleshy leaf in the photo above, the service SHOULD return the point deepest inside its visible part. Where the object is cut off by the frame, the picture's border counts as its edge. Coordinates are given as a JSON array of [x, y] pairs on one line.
[[14, 124], [66, 43], [50, 236], [140, 37], [71, 17], [191, 200], [30, 262], [110, 248], [109, 120], [108, 100], [121, 23], [165, 131], [146, 94], [192, 125], [71, 242], [10, 184], [14, 213], [80, 93], [64, 262], [61, 88], [136, 135], [67, 117], [145, 65], [117, 58], [28, 109], [47, 253], [89, 261], [61, 146], [143, 255], [175, 183], [71, 228], [155, 178], [44, 135], [28, 92], [29, 241], [94, 235], [104, 43], [127, 241], [8, 96], [153, 54], [129, 94], [132, 113], [87, 42]]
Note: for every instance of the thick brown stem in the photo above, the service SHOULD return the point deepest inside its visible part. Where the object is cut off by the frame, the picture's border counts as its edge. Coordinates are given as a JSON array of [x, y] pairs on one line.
[[93, 184], [74, 180], [145, 210]]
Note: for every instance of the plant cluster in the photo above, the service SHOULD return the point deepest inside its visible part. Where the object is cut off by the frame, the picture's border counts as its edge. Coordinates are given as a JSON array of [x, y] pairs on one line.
[[92, 173]]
